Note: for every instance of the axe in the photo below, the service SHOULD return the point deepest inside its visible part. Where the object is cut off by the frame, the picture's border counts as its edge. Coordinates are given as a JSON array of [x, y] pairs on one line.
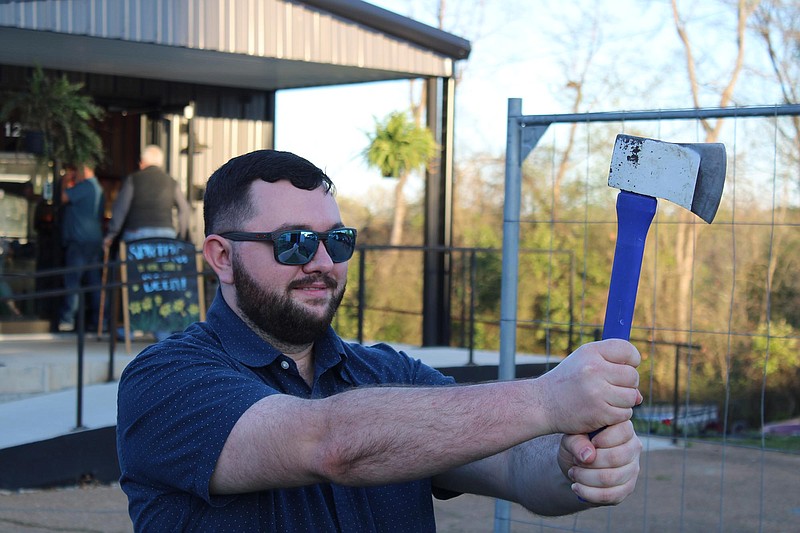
[[690, 175]]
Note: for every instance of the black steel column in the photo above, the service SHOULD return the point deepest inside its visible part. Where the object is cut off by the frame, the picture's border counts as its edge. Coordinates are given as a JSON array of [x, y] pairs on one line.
[[188, 114], [438, 215]]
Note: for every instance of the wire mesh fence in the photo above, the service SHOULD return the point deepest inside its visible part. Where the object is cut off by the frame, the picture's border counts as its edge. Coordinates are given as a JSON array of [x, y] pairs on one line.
[[716, 316]]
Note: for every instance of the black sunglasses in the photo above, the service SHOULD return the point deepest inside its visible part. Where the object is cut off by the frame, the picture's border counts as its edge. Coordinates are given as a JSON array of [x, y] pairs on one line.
[[298, 246]]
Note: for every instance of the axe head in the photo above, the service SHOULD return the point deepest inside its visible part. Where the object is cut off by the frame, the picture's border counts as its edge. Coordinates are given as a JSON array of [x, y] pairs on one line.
[[691, 175]]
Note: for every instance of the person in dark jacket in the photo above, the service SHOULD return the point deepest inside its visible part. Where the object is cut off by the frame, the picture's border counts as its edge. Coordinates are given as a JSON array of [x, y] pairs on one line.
[[82, 237], [143, 208]]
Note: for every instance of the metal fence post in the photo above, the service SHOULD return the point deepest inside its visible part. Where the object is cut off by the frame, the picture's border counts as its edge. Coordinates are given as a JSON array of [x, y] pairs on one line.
[[473, 267], [510, 272], [81, 325]]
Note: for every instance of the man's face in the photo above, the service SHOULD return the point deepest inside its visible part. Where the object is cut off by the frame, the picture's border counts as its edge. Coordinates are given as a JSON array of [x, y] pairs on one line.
[[292, 303], [70, 176]]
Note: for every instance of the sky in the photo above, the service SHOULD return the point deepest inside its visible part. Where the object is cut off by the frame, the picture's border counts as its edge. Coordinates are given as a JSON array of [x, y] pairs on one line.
[[329, 126], [519, 50]]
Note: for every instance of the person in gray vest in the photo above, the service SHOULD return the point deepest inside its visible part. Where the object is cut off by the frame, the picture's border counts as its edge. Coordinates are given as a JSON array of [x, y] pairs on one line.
[[143, 208], [82, 238]]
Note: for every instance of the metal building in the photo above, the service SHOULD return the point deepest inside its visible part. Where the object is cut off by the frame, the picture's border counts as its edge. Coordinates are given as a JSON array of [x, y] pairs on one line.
[[199, 78]]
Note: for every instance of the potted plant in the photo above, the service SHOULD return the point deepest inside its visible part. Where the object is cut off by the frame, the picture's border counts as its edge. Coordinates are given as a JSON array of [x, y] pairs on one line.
[[56, 120]]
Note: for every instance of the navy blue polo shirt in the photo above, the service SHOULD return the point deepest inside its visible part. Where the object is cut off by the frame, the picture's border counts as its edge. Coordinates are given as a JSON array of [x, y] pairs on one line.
[[179, 399]]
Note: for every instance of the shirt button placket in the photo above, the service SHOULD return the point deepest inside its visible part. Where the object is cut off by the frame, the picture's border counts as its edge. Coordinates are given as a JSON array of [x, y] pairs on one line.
[[285, 365]]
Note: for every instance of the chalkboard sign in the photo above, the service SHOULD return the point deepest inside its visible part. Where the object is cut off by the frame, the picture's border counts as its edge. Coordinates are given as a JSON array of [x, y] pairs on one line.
[[163, 288]]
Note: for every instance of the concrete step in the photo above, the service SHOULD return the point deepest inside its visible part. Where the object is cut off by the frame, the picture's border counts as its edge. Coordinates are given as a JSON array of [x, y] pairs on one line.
[[24, 326], [32, 365]]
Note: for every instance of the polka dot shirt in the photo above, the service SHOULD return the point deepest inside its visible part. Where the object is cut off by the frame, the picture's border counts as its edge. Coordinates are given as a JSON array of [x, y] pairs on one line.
[[179, 399]]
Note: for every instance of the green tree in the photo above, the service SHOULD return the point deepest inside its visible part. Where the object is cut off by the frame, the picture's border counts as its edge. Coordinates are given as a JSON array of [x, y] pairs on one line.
[[397, 148]]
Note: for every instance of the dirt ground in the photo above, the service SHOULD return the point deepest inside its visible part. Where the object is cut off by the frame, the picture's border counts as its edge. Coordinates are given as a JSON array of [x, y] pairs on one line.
[[700, 487]]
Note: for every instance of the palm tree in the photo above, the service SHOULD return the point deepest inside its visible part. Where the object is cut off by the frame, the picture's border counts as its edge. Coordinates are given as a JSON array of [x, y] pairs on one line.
[[397, 148]]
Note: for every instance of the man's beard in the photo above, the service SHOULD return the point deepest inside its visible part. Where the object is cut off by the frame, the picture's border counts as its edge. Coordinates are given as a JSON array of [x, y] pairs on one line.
[[277, 314]]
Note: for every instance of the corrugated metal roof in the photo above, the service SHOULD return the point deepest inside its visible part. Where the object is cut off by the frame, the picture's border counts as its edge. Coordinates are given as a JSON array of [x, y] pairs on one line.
[[393, 24], [265, 44]]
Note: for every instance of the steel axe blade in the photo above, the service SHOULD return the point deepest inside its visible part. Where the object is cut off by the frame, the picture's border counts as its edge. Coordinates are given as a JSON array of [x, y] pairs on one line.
[[691, 175]]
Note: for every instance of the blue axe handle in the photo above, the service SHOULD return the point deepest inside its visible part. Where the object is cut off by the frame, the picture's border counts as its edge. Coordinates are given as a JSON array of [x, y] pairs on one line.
[[634, 214]]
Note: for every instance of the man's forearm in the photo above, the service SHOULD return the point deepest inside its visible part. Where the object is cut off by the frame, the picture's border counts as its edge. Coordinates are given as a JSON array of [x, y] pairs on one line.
[[417, 432], [377, 435], [391, 434], [120, 209], [528, 474]]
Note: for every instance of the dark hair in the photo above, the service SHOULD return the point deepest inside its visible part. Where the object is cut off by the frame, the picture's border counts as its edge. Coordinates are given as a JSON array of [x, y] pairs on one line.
[[227, 201]]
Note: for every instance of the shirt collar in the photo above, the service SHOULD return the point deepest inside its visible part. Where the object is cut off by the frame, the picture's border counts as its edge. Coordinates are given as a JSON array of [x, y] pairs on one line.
[[244, 345]]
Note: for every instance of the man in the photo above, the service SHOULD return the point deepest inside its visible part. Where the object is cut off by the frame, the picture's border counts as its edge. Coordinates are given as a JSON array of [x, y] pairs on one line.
[[263, 419], [82, 238], [143, 208]]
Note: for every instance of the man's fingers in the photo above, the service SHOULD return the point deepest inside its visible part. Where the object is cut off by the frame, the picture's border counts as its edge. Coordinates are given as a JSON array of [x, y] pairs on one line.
[[617, 457], [606, 477], [625, 380], [580, 448], [619, 351], [624, 398], [615, 435], [606, 494], [624, 376], [612, 473]]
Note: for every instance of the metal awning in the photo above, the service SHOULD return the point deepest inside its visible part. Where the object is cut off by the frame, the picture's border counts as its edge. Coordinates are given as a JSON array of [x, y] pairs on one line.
[[207, 67], [280, 45]]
